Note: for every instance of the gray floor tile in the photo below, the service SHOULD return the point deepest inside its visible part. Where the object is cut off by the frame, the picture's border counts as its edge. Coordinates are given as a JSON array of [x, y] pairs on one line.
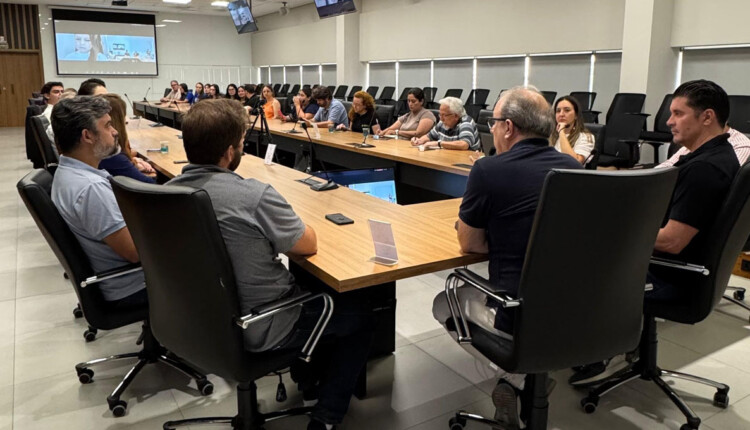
[[6, 407], [7, 342]]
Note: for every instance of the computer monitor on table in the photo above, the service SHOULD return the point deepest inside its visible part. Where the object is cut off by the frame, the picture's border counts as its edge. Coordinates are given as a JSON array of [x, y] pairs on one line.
[[380, 183]]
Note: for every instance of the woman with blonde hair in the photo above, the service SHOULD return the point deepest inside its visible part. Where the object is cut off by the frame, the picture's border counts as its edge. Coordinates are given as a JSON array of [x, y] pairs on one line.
[[570, 135], [362, 114], [124, 163]]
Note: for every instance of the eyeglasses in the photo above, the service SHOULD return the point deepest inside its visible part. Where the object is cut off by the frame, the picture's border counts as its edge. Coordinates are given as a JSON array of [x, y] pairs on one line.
[[492, 121]]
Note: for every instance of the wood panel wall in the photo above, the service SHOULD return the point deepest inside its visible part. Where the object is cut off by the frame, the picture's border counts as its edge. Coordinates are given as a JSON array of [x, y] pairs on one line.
[[19, 23]]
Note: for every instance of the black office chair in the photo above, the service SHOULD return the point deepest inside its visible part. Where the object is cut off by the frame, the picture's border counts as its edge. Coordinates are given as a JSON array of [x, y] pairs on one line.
[[284, 91], [294, 91], [341, 92], [619, 145], [454, 92], [372, 90], [331, 88], [315, 86], [39, 125], [430, 93], [38, 101], [193, 299], [485, 136], [276, 88], [661, 133], [354, 90], [385, 115], [347, 105], [739, 113], [598, 131], [167, 91], [478, 97], [436, 112], [704, 283], [549, 96], [622, 103], [35, 189], [402, 107], [32, 150], [386, 96], [580, 297], [585, 99]]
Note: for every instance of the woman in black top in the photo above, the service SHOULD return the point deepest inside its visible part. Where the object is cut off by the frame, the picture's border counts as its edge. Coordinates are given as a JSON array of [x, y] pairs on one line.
[[198, 92], [362, 113], [214, 92], [231, 92], [242, 95]]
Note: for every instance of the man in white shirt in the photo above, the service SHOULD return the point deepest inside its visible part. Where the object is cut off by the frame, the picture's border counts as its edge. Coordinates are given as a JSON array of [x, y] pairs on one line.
[[174, 95], [51, 91]]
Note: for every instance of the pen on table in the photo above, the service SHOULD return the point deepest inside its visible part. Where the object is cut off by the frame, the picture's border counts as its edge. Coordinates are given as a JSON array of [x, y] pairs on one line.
[[181, 161]]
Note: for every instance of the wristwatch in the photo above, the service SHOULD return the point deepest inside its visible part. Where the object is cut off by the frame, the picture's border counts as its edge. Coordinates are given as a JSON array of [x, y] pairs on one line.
[[440, 144]]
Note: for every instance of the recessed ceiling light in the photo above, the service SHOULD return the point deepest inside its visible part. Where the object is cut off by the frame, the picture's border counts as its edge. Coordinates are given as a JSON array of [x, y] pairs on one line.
[[177, 1], [171, 20], [220, 3], [161, 25]]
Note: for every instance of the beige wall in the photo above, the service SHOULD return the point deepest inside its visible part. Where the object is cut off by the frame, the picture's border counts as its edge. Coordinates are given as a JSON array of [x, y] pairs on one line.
[[715, 22]]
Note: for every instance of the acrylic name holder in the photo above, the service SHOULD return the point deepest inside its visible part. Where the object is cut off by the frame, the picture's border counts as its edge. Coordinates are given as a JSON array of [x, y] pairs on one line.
[[269, 154], [316, 131], [385, 245]]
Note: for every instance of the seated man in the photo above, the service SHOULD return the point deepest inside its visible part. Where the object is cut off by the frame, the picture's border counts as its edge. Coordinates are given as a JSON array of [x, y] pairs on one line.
[[455, 130], [84, 197], [331, 112], [698, 120], [257, 224], [175, 95], [497, 213], [51, 91]]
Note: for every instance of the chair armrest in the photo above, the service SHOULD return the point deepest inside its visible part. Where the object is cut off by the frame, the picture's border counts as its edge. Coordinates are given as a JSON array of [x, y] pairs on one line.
[[629, 142], [473, 280], [595, 112], [639, 114], [681, 265], [270, 309], [110, 274]]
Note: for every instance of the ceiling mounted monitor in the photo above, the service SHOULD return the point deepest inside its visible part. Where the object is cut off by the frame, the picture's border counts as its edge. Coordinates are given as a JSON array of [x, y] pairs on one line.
[[243, 19], [328, 8]]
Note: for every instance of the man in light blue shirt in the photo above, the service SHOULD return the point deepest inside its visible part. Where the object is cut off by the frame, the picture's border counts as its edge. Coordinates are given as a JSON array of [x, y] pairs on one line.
[[83, 195], [331, 112]]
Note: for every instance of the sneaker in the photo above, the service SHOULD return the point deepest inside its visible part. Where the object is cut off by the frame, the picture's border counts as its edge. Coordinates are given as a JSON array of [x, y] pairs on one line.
[[505, 398], [317, 425], [596, 373]]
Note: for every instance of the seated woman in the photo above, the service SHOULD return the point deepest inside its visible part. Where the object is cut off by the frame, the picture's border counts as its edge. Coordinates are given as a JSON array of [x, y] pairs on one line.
[[243, 96], [570, 135], [231, 92], [214, 92], [184, 96], [124, 163], [272, 108], [418, 122], [362, 114], [304, 108], [198, 93]]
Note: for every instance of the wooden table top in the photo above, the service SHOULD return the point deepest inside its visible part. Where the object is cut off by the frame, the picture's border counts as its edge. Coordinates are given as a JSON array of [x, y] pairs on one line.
[[425, 243], [392, 149]]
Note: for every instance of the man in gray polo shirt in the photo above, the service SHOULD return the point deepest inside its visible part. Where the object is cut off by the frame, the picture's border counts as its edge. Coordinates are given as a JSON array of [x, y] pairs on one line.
[[257, 224], [82, 193]]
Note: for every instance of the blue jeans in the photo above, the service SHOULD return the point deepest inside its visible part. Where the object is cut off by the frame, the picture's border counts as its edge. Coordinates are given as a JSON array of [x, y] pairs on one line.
[[340, 356]]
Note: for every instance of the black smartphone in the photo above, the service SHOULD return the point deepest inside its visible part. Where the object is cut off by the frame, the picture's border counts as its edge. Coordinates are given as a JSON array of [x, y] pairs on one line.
[[339, 219]]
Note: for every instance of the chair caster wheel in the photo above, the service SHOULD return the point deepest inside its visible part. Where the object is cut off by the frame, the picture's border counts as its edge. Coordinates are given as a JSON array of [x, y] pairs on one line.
[[721, 400], [589, 404], [688, 427], [739, 295], [457, 423], [118, 407], [85, 375], [89, 335], [205, 387], [77, 312]]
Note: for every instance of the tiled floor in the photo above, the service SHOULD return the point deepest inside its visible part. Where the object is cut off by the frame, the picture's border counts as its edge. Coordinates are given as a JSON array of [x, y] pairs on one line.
[[418, 387]]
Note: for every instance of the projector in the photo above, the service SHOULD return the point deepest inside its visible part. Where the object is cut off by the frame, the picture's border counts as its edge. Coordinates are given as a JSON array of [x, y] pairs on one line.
[[123, 3]]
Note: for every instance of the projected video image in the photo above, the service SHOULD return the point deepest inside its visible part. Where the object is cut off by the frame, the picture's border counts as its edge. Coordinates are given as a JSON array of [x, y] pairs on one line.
[[242, 17], [328, 8], [95, 47]]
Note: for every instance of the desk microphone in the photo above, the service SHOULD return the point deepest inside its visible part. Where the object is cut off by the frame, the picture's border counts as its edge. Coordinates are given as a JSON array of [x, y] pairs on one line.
[[329, 184], [131, 105], [146, 95], [364, 143]]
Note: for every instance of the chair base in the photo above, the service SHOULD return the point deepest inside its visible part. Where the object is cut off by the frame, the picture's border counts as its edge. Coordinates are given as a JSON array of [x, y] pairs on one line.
[[537, 416], [248, 417], [152, 352], [647, 369], [737, 297]]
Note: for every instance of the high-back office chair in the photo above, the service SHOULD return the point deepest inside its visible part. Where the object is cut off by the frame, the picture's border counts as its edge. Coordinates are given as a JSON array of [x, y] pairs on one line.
[[341, 92], [347, 105], [315, 86], [38, 101], [661, 133], [35, 189], [386, 96], [619, 146], [32, 150], [585, 99], [193, 300], [454, 92], [739, 113], [622, 103], [276, 88], [39, 125], [353, 91], [430, 93], [476, 101], [294, 91], [372, 90], [549, 96], [283, 91], [385, 115], [484, 131], [167, 91], [703, 283], [331, 88], [580, 297]]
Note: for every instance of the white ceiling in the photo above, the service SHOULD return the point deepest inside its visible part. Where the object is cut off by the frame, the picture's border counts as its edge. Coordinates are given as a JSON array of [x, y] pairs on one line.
[[203, 7]]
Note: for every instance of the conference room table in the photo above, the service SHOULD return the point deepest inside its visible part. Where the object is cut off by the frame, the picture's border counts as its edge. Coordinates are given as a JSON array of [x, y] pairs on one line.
[[424, 234], [420, 176]]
